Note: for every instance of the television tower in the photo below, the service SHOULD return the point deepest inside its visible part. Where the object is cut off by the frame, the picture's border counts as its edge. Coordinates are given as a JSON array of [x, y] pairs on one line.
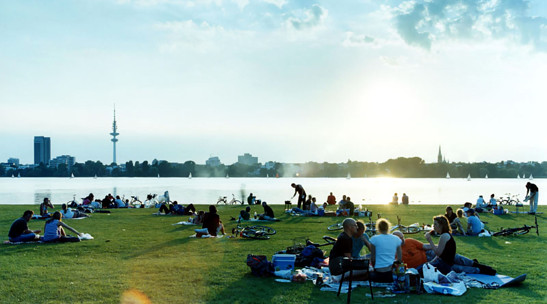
[[114, 134]]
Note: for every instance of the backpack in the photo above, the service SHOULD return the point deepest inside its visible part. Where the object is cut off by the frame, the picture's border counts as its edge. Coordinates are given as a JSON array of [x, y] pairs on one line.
[[260, 266]]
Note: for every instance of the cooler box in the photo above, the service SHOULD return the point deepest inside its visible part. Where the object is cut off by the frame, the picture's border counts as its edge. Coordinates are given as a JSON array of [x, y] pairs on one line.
[[283, 261]]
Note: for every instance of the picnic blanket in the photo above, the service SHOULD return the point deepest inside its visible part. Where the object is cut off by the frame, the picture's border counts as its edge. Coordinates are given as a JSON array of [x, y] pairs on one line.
[[207, 236], [186, 223], [497, 281]]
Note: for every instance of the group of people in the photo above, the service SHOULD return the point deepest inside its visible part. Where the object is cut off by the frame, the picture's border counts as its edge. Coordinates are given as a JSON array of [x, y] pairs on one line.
[[395, 199], [268, 215], [389, 249], [53, 229]]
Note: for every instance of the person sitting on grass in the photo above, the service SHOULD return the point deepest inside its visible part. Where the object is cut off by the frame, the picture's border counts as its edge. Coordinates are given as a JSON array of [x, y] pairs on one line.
[[385, 250], [450, 215], [268, 213], [212, 224], [445, 251], [343, 249], [118, 203], [481, 205], [251, 199], [54, 232], [245, 215], [43, 207], [19, 231], [416, 253], [88, 199], [360, 239], [474, 224], [458, 223], [69, 213], [198, 219]]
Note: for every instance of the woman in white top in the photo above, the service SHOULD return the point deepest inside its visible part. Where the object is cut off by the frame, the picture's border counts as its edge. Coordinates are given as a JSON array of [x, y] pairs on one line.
[[69, 213], [384, 248], [54, 232]]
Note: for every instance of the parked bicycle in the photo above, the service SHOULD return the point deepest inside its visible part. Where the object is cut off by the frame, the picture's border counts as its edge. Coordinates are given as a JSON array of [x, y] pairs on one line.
[[253, 232], [370, 231], [411, 229], [518, 231], [509, 200], [224, 200]]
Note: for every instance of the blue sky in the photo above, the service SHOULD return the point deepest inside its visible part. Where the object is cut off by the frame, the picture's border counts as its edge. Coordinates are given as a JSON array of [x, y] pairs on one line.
[[284, 80]]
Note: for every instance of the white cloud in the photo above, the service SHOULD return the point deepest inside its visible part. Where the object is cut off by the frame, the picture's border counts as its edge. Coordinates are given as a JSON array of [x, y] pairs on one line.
[[278, 3], [352, 39], [424, 23], [188, 35], [309, 19]]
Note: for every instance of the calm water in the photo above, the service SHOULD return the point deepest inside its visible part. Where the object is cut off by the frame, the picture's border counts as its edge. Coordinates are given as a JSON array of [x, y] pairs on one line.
[[272, 190]]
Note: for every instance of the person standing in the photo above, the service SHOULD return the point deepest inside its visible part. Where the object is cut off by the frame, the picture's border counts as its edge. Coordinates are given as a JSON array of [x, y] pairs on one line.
[[301, 193], [532, 193]]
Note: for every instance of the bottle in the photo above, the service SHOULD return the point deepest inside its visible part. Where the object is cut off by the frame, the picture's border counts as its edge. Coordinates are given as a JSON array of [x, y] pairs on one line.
[[255, 215]]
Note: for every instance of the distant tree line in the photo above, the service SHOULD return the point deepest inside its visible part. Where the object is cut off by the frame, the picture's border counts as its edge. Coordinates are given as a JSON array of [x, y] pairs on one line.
[[401, 167]]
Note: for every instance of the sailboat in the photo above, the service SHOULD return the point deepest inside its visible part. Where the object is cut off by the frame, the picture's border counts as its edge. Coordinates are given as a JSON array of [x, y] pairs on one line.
[[447, 175], [18, 175], [468, 177], [524, 176], [190, 175], [72, 175], [12, 176], [227, 176], [349, 176], [531, 177], [158, 175], [267, 175], [486, 176], [95, 177], [518, 176]]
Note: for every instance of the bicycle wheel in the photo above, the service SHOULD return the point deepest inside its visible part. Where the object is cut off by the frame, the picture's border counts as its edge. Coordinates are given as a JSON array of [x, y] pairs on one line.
[[221, 201], [502, 233], [329, 239], [237, 202], [253, 234], [523, 231], [264, 229], [411, 230], [334, 227]]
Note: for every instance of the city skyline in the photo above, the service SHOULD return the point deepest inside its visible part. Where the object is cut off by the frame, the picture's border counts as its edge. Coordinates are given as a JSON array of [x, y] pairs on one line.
[[287, 81]]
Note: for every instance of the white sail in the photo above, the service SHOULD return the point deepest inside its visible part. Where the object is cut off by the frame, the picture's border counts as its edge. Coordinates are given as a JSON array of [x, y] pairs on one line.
[[531, 177], [12, 175], [18, 174], [190, 175], [468, 177], [486, 176], [95, 177], [524, 176], [72, 175], [158, 175], [447, 175], [227, 176], [518, 175], [267, 175], [349, 176]]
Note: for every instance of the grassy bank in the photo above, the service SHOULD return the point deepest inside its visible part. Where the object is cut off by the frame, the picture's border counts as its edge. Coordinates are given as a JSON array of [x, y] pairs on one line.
[[133, 249]]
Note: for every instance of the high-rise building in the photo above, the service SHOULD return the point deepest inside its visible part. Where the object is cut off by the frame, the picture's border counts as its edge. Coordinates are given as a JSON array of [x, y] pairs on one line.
[[114, 139], [247, 159], [13, 161], [213, 161], [68, 160], [42, 150]]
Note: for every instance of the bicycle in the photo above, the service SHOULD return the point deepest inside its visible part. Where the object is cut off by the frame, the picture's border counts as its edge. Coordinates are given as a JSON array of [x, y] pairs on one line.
[[509, 200], [253, 232], [370, 227], [224, 200], [518, 231], [411, 229]]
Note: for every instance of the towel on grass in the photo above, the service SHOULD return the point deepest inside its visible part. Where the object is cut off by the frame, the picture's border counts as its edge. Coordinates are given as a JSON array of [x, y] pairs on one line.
[[186, 223]]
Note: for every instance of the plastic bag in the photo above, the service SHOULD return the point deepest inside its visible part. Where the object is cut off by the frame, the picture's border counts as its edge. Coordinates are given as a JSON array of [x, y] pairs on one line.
[[431, 274], [454, 289], [85, 236]]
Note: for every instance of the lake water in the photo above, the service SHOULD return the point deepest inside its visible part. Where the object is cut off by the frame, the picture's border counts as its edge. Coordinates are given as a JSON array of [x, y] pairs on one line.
[[273, 190]]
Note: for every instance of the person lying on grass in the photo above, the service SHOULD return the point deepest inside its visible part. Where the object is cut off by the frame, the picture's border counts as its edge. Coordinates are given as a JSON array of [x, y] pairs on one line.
[[19, 231], [445, 251], [245, 215], [54, 232], [416, 253], [385, 250], [70, 213], [342, 249], [212, 225]]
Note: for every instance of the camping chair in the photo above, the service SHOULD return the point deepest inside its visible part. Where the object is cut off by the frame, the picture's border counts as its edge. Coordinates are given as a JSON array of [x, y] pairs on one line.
[[351, 265]]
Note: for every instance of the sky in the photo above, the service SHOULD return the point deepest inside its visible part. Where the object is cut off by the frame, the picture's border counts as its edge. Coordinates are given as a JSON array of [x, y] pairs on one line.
[[284, 80]]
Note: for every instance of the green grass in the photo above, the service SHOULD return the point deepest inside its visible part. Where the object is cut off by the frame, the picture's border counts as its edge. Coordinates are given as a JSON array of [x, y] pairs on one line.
[[133, 249]]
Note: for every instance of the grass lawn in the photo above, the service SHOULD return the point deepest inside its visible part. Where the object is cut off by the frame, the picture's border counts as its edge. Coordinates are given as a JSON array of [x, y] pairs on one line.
[[134, 249]]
